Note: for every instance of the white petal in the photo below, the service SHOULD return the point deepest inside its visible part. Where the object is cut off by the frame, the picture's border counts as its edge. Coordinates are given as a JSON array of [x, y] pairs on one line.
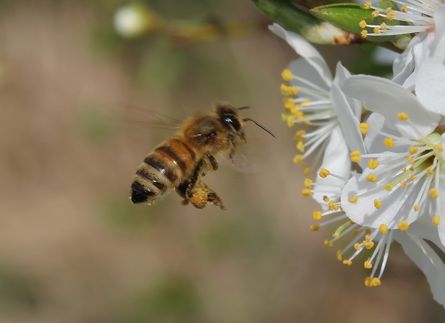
[[427, 260], [441, 226], [301, 68], [336, 160], [426, 230], [388, 98], [430, 85], [373, 139], [438, 44], [305, 50], [348, 112]]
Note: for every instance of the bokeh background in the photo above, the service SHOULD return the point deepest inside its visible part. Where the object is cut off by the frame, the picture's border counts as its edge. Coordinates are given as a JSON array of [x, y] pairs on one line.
[[75, 102]]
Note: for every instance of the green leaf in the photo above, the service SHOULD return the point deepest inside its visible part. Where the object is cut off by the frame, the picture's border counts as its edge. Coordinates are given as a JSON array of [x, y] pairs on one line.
[[287, 15]]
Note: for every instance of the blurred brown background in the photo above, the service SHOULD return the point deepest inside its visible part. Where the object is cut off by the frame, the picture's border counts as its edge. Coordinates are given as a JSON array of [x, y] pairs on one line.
[[72, 246]]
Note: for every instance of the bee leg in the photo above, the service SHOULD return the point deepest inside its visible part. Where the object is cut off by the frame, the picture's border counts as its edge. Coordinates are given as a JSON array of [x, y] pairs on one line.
[[212, 160], [202, 195], [186, 187]]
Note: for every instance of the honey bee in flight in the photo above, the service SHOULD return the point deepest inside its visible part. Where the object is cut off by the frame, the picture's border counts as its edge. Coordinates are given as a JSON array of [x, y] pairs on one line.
[[181, 161]]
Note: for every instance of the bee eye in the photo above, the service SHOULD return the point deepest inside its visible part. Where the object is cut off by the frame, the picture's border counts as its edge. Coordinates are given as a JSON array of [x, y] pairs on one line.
[[231, 122]]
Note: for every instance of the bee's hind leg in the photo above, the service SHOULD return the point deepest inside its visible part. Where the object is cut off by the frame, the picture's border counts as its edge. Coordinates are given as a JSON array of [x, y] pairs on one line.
[[201, 195]]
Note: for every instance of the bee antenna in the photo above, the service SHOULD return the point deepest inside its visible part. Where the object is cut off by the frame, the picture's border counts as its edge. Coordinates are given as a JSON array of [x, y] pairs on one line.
[[243, 107], [261, 126]]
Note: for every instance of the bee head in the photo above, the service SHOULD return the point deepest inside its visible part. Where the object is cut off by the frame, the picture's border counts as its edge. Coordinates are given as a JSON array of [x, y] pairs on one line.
[[229, 117]]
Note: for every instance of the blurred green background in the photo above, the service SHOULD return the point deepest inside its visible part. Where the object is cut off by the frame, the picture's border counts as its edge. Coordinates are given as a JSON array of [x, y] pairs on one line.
[[75, 101]]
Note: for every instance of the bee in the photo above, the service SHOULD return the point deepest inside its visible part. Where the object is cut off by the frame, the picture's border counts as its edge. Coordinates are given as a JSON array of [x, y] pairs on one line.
[[182, 161]]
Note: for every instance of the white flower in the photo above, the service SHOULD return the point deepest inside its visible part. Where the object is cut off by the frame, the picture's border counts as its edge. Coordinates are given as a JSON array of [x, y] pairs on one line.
[[313, 98], [133, 20], [404, 179]]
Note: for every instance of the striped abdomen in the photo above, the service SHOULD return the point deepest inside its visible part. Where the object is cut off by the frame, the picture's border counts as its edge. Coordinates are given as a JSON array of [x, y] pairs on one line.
[[162, 170]]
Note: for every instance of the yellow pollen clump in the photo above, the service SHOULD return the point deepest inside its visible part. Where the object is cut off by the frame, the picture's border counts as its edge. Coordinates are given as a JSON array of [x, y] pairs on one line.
[[383, 228], [347, 262], [388, 187], [353, 199], [307, 182], [417, 207], [288, 103], [404, 8], [368, 281], [368, 244], [339, 255], [306, 192], [367, 4], [403, 226], [298, 159], [376, 30], [375, 13], [373, 163], [388, 142], [314, 227], [434, 193], [356, 156], [371, 178], [306, 170], [367, 264], [364, 33], [377, 204], [376, 281], [411, 177], [402, 116], [362, 24], [404, 185], [357, 246], [364, 128], [287, 74], [412, 150], [390, 14], [316, 215], [332, 206], [328, 243], [300, 146], [436, 219], [324, 173]]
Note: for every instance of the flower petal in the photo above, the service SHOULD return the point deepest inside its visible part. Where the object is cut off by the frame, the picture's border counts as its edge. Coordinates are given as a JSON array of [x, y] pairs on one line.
[[430, 85], [305, 50], [348, 111], [427, 260], [388, 98], [308, 73], [441, 226], [336, 160], [438, 44]]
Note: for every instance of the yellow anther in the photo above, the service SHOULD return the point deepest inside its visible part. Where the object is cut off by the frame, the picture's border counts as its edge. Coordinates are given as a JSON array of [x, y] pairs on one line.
[[289, 120], [324, 173], [364, 128], [402, 116], [314, 227], [316, 215], [373, 163], [383, 26], [289, 103], [287, 74], [306, 192], [375, 13], [383, 228], [299, 134], [371, 178], [339, 255], [377, 204], [410, 160], [367, 264], [404, 8], [306, 171], [368, 244], [438, 147], [325, 198], [403, 226], [300, 146], [353, 199], [388, 187], [367, 4], [434, 193], [404, 185], [328, 243], [298, 159], [332, 206], [308, 183], [347, 262], [412, 150], [356, 156], [436, 219], [287, 90], [376, 30], [430, 171], [357, 246], [368, 281], [362, 24], [388, 142], [411, 177], [364, 33], [390, 14], [368, 237], [376, 282], [416, 207]]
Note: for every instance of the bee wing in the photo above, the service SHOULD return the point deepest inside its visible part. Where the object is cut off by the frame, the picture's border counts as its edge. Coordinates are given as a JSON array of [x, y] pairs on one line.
[[243, 160]]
